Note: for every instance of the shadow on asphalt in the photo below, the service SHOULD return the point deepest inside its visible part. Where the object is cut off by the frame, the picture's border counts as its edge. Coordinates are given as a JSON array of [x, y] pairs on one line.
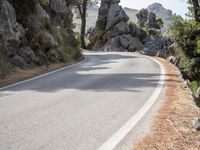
[[92, 82]]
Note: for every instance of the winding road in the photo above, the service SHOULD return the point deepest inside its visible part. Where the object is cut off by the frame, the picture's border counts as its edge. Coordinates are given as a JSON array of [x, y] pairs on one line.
[[88, 106]]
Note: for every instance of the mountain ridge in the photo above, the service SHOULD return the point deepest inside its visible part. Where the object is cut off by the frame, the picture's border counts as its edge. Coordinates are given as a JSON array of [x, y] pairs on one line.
[[161, 12]]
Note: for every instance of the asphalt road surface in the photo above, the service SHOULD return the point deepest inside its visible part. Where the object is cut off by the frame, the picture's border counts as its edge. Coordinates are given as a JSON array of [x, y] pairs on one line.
[[78, 108]]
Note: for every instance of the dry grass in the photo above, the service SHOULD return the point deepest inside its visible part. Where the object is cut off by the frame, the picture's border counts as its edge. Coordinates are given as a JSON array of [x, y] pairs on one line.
[[172, 128]]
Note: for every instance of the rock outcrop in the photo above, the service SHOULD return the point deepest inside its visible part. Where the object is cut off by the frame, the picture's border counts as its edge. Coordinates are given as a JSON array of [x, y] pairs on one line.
[[12, 38], [142, 17], [154, 42], [31, 35], [112, 32], [165, 14], [61, 13]]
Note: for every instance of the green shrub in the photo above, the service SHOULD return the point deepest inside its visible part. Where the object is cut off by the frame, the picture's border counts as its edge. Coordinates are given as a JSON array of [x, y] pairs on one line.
[[69, 48], [198, 46], [194, 86], [4, 66], [186, 34], [159, 23], [44, 2]]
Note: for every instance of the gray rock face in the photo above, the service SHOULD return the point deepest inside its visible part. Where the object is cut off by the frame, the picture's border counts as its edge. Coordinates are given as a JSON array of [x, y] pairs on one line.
[[151, 22], [19, 61], [41, 13], [29, 35], [154, 42], [13, 37], [146, 19], [142, 17], [60, 13], [58, 6], [112, 32]]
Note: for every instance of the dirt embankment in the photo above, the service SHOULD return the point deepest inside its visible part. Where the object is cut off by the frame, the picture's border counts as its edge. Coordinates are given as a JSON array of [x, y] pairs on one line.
[[173, 128]]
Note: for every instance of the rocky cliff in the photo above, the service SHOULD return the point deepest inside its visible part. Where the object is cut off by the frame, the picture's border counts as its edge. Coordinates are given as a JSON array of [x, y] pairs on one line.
[[31, 35], [112, 31]]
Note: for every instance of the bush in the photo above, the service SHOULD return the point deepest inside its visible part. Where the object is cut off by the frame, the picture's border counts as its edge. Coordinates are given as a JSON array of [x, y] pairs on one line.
[[187, 36], [4, 66], [44, 2], [194, 86], [159, 23], [69, 48], [198, 47]]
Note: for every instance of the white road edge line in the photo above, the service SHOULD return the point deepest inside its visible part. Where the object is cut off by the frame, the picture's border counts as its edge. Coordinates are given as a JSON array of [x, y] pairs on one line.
[[115, 139], [40, 76]]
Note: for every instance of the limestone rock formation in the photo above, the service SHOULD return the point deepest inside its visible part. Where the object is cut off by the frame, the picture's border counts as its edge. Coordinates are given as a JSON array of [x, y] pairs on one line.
[[112, 32], [61, 13], [12, 38], [142, 17], [32, 35], [151, 22], [154, 42]]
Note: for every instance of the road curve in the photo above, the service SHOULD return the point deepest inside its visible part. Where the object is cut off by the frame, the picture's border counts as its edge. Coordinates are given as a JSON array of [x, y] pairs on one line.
[[78, 108]]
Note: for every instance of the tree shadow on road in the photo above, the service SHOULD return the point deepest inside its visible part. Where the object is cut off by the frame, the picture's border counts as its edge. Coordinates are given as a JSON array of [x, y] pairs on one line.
[[85, 78]]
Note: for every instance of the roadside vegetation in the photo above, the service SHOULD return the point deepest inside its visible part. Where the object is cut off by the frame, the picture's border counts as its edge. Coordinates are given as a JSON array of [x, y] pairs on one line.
[[186, 34], [4, 66]]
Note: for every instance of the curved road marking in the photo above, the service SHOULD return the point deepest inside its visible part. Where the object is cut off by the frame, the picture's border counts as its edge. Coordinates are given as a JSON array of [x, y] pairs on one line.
[[115, 139], [40, 76]]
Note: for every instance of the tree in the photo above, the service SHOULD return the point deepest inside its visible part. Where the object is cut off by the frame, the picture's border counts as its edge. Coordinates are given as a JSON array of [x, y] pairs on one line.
[[82, 5], [194, 9]]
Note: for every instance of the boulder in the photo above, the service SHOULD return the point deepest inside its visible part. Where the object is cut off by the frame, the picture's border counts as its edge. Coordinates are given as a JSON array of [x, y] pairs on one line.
[[118, 29], [155, 44]]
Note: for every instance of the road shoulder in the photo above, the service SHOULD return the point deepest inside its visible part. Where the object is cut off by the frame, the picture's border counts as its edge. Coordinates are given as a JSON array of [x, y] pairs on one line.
[[172, 127], [21, 75]]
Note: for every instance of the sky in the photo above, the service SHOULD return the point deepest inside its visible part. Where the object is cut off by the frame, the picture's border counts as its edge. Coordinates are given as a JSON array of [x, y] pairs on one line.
[[177, 6]]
